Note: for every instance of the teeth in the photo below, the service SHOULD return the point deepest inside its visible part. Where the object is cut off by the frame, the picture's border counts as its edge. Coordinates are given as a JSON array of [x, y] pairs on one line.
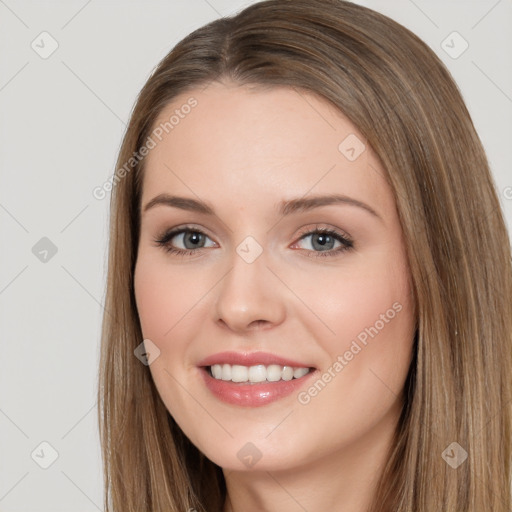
[[217, 371], [300, 372], [239, 373], [274, 372], [257, 373], [287, 373], [226, 371]]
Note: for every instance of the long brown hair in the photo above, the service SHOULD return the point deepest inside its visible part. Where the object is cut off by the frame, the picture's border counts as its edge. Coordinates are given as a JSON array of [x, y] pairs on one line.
[[403, 100]]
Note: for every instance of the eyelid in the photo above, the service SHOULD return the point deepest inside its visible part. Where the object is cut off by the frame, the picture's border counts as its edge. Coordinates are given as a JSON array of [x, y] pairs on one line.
[[345, 240], [302, 230], [338, 234], [319, 226], [169, 234]]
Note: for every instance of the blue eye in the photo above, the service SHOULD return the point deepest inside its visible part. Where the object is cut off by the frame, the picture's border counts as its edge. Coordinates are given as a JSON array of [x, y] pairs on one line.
[[323, 237], [323, 240], [196, 239]]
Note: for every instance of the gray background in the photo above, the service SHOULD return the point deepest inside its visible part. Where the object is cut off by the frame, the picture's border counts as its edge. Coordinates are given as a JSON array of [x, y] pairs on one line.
[[61, 123]]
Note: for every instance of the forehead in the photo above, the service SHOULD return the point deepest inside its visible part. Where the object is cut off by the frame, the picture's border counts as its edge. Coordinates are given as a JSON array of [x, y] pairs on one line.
[[248, 140]]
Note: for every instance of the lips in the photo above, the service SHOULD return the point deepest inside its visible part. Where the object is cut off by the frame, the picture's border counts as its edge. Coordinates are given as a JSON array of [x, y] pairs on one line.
[[250, 359], [260, 391]]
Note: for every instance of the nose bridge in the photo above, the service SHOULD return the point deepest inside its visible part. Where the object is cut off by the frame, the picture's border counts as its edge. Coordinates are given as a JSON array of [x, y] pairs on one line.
[[245, 294]]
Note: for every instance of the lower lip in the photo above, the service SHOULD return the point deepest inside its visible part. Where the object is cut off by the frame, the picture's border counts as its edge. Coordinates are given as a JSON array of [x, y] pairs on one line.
[[252, 395]]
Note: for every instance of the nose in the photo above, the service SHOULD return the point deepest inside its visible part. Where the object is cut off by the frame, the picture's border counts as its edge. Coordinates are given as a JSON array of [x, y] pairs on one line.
[[250, 297]]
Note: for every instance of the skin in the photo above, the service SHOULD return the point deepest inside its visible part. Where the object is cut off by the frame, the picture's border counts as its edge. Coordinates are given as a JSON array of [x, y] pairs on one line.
[[243, 150]]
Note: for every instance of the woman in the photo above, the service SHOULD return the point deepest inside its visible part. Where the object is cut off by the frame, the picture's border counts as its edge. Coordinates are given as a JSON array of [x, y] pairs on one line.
[[308, 300]]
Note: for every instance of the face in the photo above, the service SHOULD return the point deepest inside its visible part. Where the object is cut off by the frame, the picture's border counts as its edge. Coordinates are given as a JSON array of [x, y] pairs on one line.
[[283, 316]]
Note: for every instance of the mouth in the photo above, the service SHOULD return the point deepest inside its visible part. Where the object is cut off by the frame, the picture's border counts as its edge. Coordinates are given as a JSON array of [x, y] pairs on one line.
[[256, 374], [253, 380]]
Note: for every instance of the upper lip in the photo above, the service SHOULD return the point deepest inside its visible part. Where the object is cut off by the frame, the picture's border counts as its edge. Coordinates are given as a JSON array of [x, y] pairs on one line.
[[250, 359]]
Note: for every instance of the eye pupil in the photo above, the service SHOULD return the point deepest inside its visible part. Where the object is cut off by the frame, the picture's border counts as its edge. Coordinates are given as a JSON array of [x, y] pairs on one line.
[[322, 240], [322, 237], [194, 237]]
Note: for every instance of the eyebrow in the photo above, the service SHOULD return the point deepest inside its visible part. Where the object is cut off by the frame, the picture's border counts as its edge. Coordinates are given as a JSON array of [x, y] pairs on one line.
[[286, 207]]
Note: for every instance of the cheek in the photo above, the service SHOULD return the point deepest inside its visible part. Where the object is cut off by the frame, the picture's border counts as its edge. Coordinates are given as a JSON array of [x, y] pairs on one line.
[[370, 300], [165, 300], [163, 297], [153, 299], [375, 307], [367, 360], [370, 315]]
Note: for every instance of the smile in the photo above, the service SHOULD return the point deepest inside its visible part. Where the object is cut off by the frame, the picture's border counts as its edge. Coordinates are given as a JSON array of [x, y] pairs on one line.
[[253, 379], [257, 373]]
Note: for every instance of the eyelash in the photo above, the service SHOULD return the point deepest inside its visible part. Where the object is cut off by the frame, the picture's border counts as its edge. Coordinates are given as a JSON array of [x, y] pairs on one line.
[[164, 240]]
